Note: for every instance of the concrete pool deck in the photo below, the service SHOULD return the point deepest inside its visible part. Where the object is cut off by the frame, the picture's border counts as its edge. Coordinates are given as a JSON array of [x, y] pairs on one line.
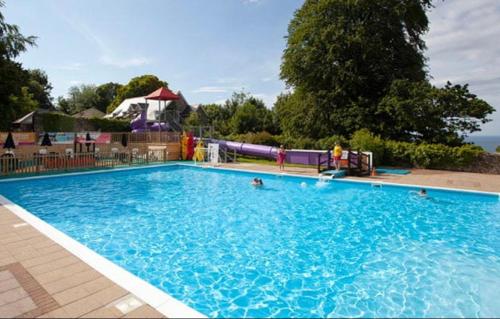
[[40, 278]]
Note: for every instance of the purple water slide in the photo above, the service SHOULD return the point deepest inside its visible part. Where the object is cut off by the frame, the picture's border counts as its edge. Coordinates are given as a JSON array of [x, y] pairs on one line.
[[139, 124], [248, 149], [292, 156]]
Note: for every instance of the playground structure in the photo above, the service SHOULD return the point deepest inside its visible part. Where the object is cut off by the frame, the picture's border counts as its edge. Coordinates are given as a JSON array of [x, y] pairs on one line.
[[352, 162], [140, 124]]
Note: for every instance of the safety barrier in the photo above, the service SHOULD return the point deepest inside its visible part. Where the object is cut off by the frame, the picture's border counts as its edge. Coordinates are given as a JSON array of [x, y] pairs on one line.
[[11, 164]]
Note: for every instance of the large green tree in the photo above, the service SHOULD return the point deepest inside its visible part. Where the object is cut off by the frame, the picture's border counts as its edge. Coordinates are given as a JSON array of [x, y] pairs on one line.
[[218, 117], [107, 93], [79, 98], [252, 116], [15, 97], [419, 111], [41, 88], [138, 86], [346, 53]]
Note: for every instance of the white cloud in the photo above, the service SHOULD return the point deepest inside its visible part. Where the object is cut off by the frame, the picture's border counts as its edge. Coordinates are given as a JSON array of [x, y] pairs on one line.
[[124, 63], [252, 1], [463, 48], [75, 82], [220, 101], [211, 89]]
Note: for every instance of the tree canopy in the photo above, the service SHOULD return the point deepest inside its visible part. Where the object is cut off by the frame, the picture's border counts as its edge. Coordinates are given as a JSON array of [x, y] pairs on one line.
[[79, 98], [350, 64], [12, 41], [242, 113], [138, 86], [15, 82], [418, 111], [106, 94], [86, 96]]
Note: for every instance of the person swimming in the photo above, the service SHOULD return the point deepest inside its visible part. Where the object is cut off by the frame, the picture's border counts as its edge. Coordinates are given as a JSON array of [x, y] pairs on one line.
[[257, 182], [422, 192]]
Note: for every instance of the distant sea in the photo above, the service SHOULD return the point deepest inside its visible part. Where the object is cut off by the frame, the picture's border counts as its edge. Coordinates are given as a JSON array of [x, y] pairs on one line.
[[489, 143]]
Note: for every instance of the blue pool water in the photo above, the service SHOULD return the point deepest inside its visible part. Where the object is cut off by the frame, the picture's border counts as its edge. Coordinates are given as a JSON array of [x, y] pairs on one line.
[[294, 248]]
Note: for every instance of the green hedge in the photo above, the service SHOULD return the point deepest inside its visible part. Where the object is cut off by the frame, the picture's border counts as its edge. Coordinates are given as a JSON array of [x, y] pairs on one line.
[[106, 125], [57, 122], [365, 141], [437, 156], [385, 152]]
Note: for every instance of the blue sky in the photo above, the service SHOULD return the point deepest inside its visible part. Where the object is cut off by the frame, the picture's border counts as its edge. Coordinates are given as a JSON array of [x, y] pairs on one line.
[[208, 49]]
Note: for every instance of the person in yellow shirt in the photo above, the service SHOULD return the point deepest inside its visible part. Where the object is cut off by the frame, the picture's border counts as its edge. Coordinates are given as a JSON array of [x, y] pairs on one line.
[[337, 155]]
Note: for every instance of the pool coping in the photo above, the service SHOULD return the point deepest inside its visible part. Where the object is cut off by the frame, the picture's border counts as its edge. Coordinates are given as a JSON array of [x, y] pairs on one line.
[[156, 298]]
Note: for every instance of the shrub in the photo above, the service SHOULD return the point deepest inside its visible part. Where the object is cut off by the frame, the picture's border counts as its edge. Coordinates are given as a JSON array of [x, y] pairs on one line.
[[440, 156], [432, 156], [498, 149], [399, 153], [106, 125], [466, 154], [57, 122], [329, 142], [364, 140], [297, 142]]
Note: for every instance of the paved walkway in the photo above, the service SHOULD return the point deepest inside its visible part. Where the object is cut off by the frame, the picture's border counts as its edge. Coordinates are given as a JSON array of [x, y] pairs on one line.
[[425, 177], [39, 278]]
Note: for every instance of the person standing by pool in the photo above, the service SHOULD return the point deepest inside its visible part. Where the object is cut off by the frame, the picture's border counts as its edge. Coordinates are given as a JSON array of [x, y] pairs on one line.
[[281, 157], [337, 155]]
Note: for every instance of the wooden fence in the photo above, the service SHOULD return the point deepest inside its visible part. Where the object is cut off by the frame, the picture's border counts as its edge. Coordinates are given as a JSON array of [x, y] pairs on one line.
[[11, 165], [146, 137]]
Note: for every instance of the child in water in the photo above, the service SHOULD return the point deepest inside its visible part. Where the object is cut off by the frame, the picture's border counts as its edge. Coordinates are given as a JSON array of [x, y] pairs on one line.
[[257, 182]]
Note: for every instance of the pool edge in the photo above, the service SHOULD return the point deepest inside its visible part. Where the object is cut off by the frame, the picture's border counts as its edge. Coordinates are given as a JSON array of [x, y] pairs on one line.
[[156, 298], [177, 163], [349, 180]]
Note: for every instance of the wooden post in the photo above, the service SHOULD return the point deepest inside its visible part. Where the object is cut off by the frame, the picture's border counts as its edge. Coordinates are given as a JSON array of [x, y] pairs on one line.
[[147, 156]]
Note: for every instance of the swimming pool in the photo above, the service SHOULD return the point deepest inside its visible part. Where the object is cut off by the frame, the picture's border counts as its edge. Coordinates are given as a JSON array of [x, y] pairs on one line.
[[294, 248]]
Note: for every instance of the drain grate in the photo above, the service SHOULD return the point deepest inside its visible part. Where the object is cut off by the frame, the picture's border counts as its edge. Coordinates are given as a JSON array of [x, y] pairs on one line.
[[127, 304]]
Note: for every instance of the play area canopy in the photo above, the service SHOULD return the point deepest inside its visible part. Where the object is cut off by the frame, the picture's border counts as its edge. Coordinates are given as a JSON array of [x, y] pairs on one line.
[[162, 94]]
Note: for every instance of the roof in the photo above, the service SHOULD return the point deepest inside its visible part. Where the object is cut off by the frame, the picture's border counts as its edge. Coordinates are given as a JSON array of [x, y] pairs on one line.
[[90, 113], [162, 94], [129, 107], [27, 119]]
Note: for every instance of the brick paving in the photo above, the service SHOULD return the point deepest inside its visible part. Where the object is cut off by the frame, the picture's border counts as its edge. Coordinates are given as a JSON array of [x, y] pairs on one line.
[[39, 278]]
